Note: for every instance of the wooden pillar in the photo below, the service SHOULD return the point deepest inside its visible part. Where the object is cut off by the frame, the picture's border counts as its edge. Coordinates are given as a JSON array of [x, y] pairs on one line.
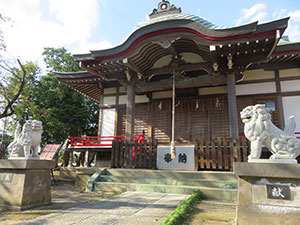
[[130, 112], [279, 104], [150, 130], [100, 112], [117, 111], [98, 158], [232, 107]]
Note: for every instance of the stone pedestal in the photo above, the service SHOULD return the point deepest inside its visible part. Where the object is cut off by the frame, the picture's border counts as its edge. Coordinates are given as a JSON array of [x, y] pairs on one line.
[[268, 193], [25, 183]]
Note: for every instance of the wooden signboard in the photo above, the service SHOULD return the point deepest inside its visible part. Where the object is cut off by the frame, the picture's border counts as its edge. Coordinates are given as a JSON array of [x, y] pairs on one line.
[[50, 151]]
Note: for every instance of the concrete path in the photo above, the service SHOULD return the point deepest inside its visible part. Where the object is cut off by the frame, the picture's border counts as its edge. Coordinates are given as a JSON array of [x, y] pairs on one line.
[[129, 208]]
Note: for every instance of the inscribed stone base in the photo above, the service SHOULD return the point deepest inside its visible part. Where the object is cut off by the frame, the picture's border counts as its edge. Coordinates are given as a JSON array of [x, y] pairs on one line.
[[268, 193], [25, 183], [185, 158]]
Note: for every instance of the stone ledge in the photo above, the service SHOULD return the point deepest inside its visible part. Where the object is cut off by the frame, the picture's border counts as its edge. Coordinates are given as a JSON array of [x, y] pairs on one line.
[[16, 164], [243, 169]]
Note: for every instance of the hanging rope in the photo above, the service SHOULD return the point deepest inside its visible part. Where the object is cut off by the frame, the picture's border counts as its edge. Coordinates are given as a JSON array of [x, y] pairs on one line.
[[173, 148]]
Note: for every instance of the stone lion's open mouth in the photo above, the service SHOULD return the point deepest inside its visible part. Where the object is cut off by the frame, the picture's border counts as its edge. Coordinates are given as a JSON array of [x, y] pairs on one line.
[[246, 118]]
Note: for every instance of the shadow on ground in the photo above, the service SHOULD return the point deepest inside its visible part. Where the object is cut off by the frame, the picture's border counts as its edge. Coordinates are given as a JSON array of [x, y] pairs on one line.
[[64, 196]]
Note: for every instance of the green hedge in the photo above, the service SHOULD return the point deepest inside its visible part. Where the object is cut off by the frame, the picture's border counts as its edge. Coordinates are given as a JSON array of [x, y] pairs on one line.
[[181, 212]]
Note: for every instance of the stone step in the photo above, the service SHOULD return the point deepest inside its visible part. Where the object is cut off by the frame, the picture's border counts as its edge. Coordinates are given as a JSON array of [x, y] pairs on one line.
[[167, 181], [210, 193], [171, 174]]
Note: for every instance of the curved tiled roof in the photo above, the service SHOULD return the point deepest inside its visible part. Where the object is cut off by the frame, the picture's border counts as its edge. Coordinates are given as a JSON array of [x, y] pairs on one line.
[[170, 20], [178, 16]]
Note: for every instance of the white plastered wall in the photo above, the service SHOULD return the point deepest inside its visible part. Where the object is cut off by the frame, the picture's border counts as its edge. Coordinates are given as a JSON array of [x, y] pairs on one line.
[[111, 100], [138, 99], [290, 85], [108, 122], [291, 107], [258, 75], [253, 89]]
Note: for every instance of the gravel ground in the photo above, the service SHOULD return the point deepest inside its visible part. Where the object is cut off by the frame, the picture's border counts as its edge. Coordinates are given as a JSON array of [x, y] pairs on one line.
[[213, 213]]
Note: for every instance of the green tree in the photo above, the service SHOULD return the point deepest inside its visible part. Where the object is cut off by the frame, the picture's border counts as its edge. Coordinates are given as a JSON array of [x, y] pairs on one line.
[[25, 102], [63, 111], [59, 60], [14, 82], [13, 76]]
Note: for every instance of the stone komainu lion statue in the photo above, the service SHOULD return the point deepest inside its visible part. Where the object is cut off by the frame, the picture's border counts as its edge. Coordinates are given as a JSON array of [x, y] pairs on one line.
[[27, 143], [260, 131]]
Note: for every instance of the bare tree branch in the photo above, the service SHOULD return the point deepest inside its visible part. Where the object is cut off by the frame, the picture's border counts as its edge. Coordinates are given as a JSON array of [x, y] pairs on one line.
[[9, 110], [6, 67]]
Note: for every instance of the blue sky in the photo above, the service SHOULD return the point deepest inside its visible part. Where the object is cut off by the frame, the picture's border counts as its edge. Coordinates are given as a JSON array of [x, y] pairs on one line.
[[82, 25]]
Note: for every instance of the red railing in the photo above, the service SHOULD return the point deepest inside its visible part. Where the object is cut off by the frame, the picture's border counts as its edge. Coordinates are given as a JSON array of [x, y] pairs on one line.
[[100, 141]]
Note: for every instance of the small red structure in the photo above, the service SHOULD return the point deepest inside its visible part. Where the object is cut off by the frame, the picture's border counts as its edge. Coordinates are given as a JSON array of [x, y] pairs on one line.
[[99, 144], [100, 141]]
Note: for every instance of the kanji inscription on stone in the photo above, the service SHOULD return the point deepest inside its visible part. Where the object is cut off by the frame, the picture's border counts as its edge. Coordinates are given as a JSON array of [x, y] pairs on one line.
[[168, 158], [185, 158], [278, 192], [7, 178], [182, 158]]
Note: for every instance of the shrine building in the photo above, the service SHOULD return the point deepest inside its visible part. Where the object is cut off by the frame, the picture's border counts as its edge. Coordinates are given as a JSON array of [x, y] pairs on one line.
[[204, 74]]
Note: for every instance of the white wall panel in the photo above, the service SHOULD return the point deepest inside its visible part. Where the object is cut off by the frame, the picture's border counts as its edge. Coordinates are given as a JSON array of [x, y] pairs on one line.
[[111, 100], [162, 94], [252, 89], [290, 85], [110, 90], [291, 107], [258, 75], [290, 73], [141, 99], [138, 99], [108, 122]]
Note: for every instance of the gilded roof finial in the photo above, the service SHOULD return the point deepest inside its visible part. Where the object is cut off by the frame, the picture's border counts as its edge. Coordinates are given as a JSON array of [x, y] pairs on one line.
[[164, 7]]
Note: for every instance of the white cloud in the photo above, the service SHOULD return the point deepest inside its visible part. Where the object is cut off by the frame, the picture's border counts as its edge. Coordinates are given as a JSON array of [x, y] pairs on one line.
[[78, 17], [21, 11], [255, 13], [293, 29], [279, 14], [85, 47], [258, 12], [67, 23], [295, 16]]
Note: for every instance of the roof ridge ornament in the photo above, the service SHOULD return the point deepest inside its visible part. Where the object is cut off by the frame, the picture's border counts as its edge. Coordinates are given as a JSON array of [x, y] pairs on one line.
[[164, 8]]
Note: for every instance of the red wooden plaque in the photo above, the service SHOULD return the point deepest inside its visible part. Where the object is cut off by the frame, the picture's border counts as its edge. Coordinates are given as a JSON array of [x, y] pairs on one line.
[[50, 151]]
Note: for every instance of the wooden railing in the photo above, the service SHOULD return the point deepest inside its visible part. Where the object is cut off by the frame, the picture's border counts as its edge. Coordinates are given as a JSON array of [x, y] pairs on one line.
[[220, 153], [135, 154], [214, 154]]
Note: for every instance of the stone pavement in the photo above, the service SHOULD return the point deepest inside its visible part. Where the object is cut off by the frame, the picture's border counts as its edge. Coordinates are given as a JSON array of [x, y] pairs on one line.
[[129, 208]]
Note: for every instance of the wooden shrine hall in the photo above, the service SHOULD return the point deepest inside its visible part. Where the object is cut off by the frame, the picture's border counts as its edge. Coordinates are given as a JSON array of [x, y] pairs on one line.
[[180, 78]]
